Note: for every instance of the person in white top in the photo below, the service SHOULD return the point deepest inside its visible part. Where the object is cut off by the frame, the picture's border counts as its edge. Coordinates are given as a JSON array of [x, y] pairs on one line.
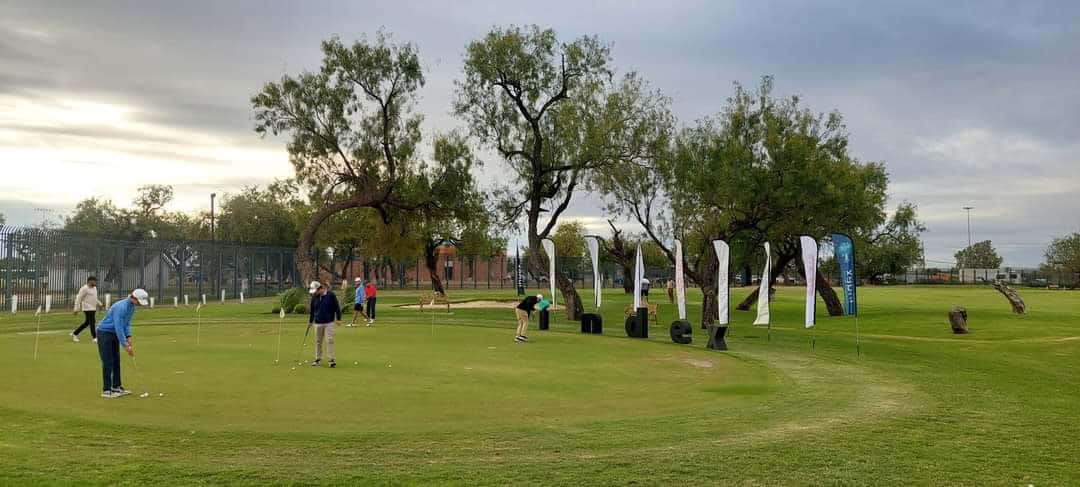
[[87, 302]]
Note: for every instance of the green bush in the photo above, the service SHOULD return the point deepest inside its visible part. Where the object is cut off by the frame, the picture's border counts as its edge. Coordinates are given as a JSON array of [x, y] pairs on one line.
[[300, 309], [289, 298]]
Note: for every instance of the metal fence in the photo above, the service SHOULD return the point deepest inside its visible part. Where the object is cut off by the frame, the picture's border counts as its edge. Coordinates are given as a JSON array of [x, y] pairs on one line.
[[35, 264]]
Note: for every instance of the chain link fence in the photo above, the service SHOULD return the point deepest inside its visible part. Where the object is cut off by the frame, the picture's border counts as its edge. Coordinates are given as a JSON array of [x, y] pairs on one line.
[[36, 264]]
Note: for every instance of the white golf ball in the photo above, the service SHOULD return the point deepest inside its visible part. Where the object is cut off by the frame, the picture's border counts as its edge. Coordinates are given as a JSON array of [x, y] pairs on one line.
[[356, 363], [161, 394], [388, 365], [145, 394]]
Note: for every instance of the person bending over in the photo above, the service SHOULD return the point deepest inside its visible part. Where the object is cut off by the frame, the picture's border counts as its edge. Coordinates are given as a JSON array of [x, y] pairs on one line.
[[523, 311]]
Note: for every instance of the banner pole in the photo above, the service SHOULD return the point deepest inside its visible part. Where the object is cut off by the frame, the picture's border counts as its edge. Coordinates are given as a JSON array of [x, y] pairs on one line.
[[858, 346]]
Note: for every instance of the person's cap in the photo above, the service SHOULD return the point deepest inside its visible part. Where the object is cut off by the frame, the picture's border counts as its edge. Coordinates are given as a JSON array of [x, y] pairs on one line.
[[314, 286], [358, 280], [141, 296], [539, 296]]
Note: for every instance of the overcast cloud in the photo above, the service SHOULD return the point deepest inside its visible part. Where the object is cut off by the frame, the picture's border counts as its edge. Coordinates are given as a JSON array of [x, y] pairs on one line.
[[967, 103]]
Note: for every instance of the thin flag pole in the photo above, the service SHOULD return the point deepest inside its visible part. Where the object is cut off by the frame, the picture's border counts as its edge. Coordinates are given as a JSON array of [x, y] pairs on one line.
[[281, 324], [858, 345], [37, 333]]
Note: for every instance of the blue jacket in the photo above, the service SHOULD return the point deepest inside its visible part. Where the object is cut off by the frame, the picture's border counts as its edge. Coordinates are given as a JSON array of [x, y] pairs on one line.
[[118, 320], [359, 295], [325, 309]]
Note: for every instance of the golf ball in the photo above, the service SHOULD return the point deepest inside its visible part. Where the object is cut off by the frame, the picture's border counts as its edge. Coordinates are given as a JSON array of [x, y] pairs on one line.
[[161, 394], [145, 394], [294, 368], [356, 363]]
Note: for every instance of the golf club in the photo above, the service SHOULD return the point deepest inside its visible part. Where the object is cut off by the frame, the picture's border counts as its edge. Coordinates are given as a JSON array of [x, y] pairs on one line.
[[303, 342]]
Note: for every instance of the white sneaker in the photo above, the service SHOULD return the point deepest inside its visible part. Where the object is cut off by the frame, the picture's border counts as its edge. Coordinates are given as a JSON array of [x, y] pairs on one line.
[[368, 324], [95, 340], [108, 395], [74, 337], [120, 392]]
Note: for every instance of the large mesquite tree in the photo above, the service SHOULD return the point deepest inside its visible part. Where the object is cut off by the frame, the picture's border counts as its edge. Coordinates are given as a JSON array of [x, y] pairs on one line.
[[555, 112], [352, 128]]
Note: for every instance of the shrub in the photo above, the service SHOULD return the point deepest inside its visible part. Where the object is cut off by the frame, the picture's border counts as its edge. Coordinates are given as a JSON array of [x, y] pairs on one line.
[[300, 309], [276, 310], [289, 298]]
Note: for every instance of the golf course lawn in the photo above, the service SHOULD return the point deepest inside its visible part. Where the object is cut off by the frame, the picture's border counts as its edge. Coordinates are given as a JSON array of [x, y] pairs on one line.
[[437, 398]]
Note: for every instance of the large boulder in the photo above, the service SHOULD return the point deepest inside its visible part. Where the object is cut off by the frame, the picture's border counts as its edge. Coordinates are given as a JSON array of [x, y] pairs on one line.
[[958, 320]]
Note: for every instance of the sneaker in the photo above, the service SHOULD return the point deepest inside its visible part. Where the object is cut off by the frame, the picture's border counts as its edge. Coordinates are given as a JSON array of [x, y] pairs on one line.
[[74, 337], [333, 364], [519, 339], [120, 392], [108, 394], [95, 340], [316, 363], [524, 338]]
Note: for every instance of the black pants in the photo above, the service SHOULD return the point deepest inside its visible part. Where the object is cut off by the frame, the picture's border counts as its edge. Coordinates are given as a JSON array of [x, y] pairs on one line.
[[109, 349], [370, 308], [88, 320]]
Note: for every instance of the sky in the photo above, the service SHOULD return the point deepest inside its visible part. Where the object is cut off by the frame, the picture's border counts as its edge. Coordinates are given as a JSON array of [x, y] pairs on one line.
[[966, 103]]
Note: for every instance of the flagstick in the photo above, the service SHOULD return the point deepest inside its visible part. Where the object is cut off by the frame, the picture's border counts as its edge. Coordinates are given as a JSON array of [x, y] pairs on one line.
[[433, 322], [198, 326], [858, 346], [813, 337], [281, 321], [37, 336]]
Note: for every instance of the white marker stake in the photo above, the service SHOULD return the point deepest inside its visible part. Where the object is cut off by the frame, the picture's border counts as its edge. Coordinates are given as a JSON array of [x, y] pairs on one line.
[[14, 303], [185, 300], [241, 298], [108, 300], [198, 326], [151, 302], [222, 296], [175, 302], [37, 334], [204, 300], [48, 303]]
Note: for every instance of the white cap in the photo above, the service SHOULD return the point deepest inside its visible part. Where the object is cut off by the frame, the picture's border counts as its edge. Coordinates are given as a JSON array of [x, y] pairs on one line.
[[357, 279], [314, 286], [141, 296], [539, 296]]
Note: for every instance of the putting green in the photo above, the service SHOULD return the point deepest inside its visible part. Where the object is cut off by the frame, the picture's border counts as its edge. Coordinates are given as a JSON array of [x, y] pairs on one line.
[[390, 377]]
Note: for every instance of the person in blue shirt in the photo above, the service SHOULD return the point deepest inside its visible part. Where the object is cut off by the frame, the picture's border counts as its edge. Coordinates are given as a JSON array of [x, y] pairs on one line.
[[114, 332], [358, 301]]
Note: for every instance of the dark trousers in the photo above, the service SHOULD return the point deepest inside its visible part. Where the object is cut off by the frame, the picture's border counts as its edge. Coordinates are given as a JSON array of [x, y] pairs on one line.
[[88, 321], [109, 349], [370, 305]]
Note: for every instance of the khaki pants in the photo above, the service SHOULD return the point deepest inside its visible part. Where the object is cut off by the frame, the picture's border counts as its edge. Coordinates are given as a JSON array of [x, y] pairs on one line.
[[324, 330], [523, 321]]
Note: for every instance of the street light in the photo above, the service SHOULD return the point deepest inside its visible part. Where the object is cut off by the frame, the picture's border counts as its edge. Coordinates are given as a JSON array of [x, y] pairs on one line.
[[212, 196], [968, 210]]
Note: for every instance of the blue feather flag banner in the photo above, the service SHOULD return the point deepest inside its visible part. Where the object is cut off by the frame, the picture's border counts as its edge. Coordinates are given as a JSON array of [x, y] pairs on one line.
[[844, 249]]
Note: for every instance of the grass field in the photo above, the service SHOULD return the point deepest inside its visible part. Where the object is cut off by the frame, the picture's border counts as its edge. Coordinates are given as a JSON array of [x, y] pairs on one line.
[[432, 398]]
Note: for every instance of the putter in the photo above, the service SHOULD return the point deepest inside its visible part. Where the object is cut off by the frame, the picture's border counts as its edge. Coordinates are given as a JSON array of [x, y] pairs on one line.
[[302, 343]]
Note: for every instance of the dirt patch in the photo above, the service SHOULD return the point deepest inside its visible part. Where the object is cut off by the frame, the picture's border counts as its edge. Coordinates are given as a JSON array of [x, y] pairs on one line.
[[704, 364]]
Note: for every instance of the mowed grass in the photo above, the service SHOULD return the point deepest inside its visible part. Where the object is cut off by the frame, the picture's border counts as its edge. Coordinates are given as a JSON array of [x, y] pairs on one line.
[[436, 398]]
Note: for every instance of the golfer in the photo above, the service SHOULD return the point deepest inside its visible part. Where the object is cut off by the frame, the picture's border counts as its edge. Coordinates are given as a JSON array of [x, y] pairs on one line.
[[523, 310], [87, 302], [358, 301], [671, 290], [325, 313], [645, 289], [369, 296], [113, 332]]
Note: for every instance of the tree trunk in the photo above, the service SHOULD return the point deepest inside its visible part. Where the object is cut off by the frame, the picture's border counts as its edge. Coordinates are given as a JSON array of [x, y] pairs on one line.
[[832, 301], [628, 279], [781, 262], [305, 258], [1015, 301], [570, 297], [430, 261]]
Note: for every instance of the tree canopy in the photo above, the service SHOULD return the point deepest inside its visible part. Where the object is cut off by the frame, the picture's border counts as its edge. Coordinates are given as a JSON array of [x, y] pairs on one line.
[[980, 255], [1063, 254]]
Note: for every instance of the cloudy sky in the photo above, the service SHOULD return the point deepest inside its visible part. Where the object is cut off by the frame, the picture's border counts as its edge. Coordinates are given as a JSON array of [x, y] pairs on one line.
[[967, 103]]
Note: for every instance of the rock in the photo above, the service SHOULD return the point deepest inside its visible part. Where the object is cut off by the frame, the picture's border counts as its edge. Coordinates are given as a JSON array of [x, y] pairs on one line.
[[958, 320]]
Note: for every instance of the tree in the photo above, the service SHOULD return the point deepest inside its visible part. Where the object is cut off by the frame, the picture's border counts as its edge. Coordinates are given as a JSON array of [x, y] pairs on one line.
[[258, 216], [353, 132], [569, 238], [980, 255], [892, 248], [554, 112], [1063, 254], [2, 219]]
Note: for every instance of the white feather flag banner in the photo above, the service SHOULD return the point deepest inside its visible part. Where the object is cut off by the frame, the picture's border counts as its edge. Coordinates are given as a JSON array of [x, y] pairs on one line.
[[639, 274], [809, 258], [680, 282], [593, 243], [763, 290], [549, 249], [723, 254]]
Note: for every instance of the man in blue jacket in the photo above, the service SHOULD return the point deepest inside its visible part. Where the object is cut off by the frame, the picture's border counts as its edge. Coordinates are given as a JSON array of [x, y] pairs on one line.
[[325, 313], [113, 332]]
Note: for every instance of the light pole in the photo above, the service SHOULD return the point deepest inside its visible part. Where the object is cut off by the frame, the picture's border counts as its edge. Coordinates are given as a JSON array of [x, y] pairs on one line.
[[968, 210], [212, 196]]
